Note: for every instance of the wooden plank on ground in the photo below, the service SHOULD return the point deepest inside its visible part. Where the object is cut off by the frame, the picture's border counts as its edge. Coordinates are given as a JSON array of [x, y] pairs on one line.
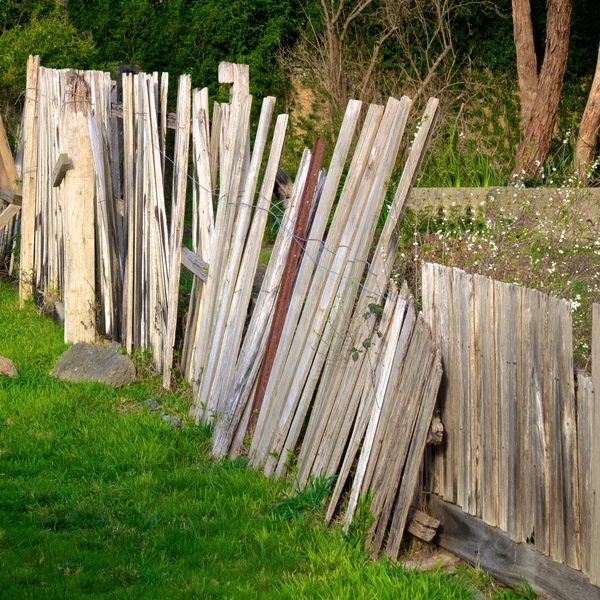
[[492, 550], [421, 525]]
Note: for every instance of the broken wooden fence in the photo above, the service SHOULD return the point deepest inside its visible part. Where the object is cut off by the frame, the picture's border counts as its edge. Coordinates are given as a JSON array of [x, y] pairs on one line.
[[519, 443], [334, 364]]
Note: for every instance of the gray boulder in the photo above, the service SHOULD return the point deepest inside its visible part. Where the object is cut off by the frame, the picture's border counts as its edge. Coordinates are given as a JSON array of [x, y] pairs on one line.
[[93, 362], [7, 367]]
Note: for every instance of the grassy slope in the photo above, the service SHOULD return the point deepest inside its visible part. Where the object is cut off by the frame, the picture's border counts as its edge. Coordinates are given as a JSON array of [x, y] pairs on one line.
[[99, 498]]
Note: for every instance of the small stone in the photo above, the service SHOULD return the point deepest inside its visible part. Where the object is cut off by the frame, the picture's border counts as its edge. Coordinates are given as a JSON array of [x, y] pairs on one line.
[[7, 367], [173, 420], [93, 362], [152, 404]]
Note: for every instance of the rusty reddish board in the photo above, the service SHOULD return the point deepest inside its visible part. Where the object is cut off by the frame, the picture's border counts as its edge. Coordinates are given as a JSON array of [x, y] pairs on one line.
[[287, 280]]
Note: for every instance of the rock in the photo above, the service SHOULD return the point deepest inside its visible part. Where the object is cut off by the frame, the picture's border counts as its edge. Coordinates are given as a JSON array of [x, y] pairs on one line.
[[59, 312], [7, 367], [152, 404], [50, 305], [173, 420], [93, 362]]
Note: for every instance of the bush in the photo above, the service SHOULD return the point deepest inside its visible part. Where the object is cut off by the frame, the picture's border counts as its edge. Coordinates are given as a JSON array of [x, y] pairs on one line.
[[48, 34]]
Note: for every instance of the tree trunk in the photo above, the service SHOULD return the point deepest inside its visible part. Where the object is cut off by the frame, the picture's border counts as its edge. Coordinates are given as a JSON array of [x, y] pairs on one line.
[[526, 57], [535, 147], [589, 126]]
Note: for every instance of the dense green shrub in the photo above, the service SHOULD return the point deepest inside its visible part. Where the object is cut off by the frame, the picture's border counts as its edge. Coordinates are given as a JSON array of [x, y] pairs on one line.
[[191, 36], [41, 28]]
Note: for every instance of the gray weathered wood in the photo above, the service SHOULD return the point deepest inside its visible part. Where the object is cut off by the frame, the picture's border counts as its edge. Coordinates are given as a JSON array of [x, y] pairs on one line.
[[564, 484], [415, 456], [585, 403], [484, 377], [191, 261], [316, 312], [507, 314], [421, 525], [536, 304], [491, 549]]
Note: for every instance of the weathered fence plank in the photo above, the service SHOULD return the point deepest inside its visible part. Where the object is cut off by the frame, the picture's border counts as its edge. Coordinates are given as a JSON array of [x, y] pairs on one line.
[[80, 268], [594, 506], [29, 181]]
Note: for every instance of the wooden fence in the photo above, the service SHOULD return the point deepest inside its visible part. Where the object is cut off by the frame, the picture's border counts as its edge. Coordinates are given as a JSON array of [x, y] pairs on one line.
[[519, 428], [333, 364]]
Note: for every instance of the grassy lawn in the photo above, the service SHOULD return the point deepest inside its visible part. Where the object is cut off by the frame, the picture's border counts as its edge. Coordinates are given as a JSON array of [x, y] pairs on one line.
[[100, 498]]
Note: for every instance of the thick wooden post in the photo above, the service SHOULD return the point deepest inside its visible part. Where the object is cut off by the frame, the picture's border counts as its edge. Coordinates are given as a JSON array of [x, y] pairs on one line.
[[78, 214]]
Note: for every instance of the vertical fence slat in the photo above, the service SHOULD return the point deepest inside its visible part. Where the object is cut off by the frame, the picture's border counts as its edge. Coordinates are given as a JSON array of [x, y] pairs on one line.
[[29, 181], [448, 410], [585, 403], [594, 506], [79, 215], [485, 378], [525, 474], [507, 315], [461, 354], [564, 502]]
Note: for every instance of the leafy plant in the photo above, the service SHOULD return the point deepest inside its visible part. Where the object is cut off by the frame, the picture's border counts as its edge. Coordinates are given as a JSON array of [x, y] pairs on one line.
[[307, 500]]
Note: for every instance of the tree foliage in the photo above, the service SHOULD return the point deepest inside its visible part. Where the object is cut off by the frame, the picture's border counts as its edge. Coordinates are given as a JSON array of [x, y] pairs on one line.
[[188, 36], [37, 27]]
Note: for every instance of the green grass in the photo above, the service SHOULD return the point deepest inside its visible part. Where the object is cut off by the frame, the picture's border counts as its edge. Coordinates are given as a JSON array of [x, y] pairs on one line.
[[99, 498]]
